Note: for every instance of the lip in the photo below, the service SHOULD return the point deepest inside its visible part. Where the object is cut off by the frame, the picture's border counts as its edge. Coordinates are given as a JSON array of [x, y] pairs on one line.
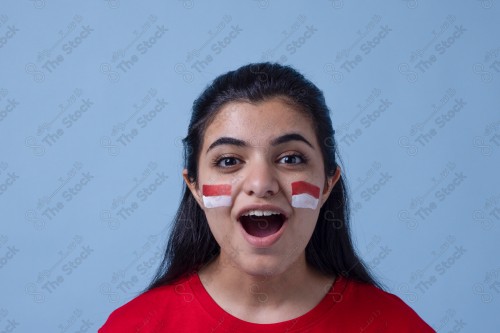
[[262, 242]]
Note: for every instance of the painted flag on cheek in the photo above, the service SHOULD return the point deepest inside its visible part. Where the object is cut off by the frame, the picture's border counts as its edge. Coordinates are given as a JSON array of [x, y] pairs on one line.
[[305, 195], [217, 195]]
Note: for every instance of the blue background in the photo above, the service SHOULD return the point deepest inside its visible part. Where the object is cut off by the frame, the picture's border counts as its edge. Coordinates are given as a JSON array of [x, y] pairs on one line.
[[414, 91]]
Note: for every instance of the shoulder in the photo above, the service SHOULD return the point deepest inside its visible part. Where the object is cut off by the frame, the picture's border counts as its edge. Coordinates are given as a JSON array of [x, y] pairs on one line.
[[376, 309], [370, 294], [146, 312]]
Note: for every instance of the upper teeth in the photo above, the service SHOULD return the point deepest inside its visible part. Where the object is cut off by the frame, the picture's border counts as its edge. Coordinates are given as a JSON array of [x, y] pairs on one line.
[[261, 213]]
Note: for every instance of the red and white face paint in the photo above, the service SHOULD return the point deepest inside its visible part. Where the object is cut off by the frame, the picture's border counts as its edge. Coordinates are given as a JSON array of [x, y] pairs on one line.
[[217, 195], [305, 195]]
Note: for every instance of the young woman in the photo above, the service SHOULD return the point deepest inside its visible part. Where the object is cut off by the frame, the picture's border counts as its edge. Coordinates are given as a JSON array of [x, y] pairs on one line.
[[261, 241]]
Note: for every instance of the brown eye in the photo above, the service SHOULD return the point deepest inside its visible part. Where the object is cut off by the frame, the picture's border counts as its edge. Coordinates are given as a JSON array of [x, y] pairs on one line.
[[291, 159], [226, 162]]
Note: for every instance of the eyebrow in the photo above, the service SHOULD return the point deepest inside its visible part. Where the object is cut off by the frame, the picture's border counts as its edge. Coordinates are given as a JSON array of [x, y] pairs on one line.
[[225, 140]]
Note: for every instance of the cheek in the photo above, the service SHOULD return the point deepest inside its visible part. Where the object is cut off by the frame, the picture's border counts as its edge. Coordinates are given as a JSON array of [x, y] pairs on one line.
[[305, 195], [217, 201], [215, 196], [306, 218], [218, 217], [219, 222], [305, 200]]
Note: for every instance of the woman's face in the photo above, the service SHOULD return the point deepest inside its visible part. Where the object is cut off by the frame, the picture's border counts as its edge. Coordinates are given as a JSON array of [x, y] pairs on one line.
[[256, 152]]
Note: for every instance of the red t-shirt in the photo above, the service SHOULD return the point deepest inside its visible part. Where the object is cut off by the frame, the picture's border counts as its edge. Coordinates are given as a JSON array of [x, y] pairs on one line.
[[186, 306]]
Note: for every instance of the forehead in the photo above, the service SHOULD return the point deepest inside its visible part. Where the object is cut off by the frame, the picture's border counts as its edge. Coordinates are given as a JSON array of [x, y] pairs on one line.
[[261, 120]]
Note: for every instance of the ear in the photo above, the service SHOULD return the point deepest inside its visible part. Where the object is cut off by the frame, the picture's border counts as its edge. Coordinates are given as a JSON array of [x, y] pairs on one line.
[[329, 185], [193, 187]]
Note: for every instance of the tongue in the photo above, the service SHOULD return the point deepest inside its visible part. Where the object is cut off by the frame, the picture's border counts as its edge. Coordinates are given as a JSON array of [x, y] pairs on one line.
[[261, 226]]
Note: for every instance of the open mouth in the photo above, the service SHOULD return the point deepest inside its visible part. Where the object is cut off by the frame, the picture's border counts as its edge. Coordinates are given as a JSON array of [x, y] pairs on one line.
[[261, 224]]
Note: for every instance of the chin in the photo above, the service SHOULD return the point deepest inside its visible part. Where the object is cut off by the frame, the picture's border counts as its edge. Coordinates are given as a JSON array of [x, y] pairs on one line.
[[263, 266]]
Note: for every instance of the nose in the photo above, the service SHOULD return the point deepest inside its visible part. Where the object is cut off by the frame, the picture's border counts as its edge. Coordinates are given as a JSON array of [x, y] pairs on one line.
[[260, 180]]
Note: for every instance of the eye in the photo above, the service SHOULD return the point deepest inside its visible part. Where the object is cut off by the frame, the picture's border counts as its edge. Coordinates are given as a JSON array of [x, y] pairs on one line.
[[226, 162], [292, 159]]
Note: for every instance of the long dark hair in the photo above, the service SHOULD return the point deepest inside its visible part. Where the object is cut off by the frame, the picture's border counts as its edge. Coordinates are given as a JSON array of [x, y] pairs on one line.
[[191, 244]]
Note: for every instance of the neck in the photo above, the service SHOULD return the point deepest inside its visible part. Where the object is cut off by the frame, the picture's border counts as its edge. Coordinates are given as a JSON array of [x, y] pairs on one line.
[[265, 298]]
